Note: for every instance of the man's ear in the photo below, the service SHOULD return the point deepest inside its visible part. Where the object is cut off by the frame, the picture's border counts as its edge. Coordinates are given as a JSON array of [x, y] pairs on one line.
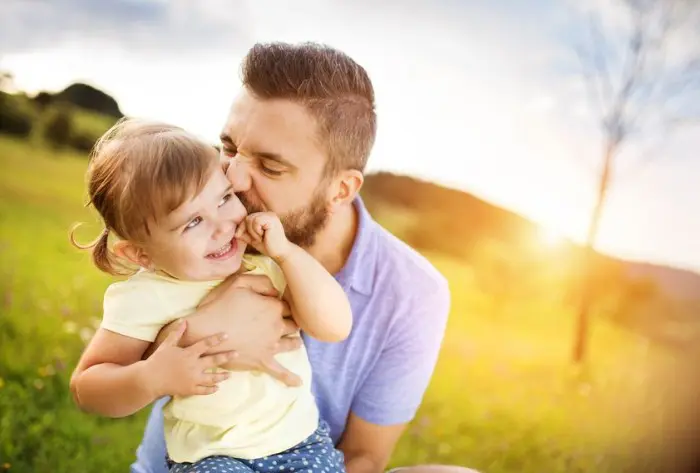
[[345, 187], [131, 252]]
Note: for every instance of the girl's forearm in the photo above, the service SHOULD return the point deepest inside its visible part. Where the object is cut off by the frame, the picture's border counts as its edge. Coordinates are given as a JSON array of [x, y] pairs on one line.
[[319, 303], [113, 390]]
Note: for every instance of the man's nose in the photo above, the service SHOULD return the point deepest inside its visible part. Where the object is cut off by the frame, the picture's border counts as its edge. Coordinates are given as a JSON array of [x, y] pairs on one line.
[[239, 175]]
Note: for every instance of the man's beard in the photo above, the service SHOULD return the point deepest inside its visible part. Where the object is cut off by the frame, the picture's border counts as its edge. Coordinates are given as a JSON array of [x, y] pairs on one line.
[[301, 225]]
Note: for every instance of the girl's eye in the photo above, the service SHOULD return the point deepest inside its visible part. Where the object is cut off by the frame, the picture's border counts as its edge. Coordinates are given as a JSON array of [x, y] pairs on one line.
[[225, 199], [193, 223], [228, 152]]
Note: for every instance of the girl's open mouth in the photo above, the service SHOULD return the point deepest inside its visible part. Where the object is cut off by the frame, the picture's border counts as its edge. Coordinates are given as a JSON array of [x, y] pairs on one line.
[[225, 252]]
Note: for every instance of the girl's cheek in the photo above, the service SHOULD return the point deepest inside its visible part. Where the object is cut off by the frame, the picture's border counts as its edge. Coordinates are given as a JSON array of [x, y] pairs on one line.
[[241, 211], [237, 213]]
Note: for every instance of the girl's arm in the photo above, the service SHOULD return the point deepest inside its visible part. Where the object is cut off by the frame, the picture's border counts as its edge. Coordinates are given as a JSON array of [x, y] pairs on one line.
[[318, 303], [109, 379], [112, 380]]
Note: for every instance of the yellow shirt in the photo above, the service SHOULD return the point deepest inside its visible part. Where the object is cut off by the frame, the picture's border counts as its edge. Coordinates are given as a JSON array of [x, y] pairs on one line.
[[252, 415]]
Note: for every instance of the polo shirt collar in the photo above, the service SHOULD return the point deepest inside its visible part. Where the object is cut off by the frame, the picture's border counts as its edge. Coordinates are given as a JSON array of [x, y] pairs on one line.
[[359, 270]]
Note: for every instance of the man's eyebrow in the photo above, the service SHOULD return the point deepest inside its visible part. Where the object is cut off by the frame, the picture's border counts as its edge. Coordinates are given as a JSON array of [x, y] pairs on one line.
[[225, 139], [272, 157]]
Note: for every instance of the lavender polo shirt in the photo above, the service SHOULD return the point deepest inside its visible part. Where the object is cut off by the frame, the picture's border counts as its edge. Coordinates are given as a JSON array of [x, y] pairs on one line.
[[380, 372]]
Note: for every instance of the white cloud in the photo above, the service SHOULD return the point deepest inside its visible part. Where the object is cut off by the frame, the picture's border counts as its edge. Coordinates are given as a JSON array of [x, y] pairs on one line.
[[139, 27], [469, 94]]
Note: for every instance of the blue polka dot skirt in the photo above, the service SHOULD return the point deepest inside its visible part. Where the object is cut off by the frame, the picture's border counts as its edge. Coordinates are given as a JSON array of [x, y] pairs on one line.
[[316, 454]]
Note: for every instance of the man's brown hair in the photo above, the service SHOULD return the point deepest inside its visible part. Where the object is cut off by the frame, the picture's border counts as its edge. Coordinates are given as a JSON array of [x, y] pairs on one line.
[[335, 90]]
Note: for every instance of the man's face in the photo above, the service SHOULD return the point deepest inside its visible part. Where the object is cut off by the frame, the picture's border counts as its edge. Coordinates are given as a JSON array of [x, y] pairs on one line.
[[277, 163]]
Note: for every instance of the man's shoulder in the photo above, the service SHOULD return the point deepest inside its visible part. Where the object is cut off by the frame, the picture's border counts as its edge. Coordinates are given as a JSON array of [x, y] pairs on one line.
[[404, 270]]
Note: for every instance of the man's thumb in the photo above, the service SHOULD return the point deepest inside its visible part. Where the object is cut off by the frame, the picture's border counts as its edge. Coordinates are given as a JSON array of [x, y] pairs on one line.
[[174, 337], [276, 370], [256, 283]]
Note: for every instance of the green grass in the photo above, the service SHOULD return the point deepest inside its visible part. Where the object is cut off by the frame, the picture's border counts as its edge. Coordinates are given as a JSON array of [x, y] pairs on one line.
[[502, 399], [51, 299]]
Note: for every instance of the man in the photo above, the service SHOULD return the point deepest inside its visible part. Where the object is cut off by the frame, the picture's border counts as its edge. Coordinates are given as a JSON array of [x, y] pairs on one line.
[[298, 137]]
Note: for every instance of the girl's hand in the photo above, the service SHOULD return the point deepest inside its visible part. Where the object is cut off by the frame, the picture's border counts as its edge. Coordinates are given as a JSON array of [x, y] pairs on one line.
[[265, 233], [175, 371]]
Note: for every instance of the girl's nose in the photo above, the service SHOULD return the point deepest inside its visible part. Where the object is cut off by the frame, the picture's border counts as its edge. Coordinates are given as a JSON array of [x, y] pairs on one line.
[[224, 226]]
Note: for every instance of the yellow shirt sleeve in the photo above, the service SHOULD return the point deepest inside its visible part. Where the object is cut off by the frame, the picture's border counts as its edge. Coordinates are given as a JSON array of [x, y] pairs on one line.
[[133, 308], [260, 264]]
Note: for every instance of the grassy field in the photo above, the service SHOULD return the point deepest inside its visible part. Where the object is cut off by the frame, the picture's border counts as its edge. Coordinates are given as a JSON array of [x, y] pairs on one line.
[[503, 398]]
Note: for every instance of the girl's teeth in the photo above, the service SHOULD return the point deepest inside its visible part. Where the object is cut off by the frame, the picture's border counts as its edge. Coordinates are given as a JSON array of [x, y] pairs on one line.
[[222, 250]]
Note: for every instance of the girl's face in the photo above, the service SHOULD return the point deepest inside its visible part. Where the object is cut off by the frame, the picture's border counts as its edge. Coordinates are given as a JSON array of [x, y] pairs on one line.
[[195, 242]]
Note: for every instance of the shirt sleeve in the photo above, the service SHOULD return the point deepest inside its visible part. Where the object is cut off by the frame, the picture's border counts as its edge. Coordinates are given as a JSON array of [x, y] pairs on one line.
[[394, 388], [259, 264], [133, 309]]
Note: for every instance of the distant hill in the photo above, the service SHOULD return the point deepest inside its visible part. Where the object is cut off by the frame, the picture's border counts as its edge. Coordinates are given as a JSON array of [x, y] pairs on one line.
[[452, 221], [83, 96], [679, 283]]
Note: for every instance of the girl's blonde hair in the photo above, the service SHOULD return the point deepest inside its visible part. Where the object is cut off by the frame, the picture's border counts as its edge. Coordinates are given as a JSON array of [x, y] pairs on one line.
[[139, 172]]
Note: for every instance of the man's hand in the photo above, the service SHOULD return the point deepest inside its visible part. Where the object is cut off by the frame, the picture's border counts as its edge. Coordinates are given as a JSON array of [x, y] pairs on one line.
[[175, 371], [256, 324]]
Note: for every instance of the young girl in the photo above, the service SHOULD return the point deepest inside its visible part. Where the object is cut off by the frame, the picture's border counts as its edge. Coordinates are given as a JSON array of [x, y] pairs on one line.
[[164, 198]]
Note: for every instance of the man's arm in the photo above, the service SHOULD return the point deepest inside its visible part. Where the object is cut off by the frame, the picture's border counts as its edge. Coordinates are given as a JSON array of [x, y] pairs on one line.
[[394, 389], [367, 447], [255, 321]]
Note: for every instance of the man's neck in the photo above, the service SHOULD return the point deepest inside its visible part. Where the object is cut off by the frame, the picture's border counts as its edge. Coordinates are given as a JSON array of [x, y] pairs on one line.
[[334, 243]]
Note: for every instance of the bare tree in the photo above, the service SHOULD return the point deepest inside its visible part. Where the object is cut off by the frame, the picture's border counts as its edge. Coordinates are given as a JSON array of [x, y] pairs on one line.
[[640, 63]]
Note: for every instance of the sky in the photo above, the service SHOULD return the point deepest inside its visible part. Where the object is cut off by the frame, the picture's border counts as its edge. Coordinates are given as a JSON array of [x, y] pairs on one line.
[[484, 96]]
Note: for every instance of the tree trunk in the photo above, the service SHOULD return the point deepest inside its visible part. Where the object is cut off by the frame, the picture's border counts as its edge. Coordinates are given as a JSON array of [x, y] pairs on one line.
[[583, 313]]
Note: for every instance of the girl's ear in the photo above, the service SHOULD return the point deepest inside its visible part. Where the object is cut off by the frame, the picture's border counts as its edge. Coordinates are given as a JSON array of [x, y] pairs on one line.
[[131, 252]]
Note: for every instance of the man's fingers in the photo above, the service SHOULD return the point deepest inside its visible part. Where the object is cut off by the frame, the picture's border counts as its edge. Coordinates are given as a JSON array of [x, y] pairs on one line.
[[257, 283], [205, 344], [173, 338], [242, 363], [213, 361], [289, 327], [212, 379], [204, 390], [288, 344], [277, 371]]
